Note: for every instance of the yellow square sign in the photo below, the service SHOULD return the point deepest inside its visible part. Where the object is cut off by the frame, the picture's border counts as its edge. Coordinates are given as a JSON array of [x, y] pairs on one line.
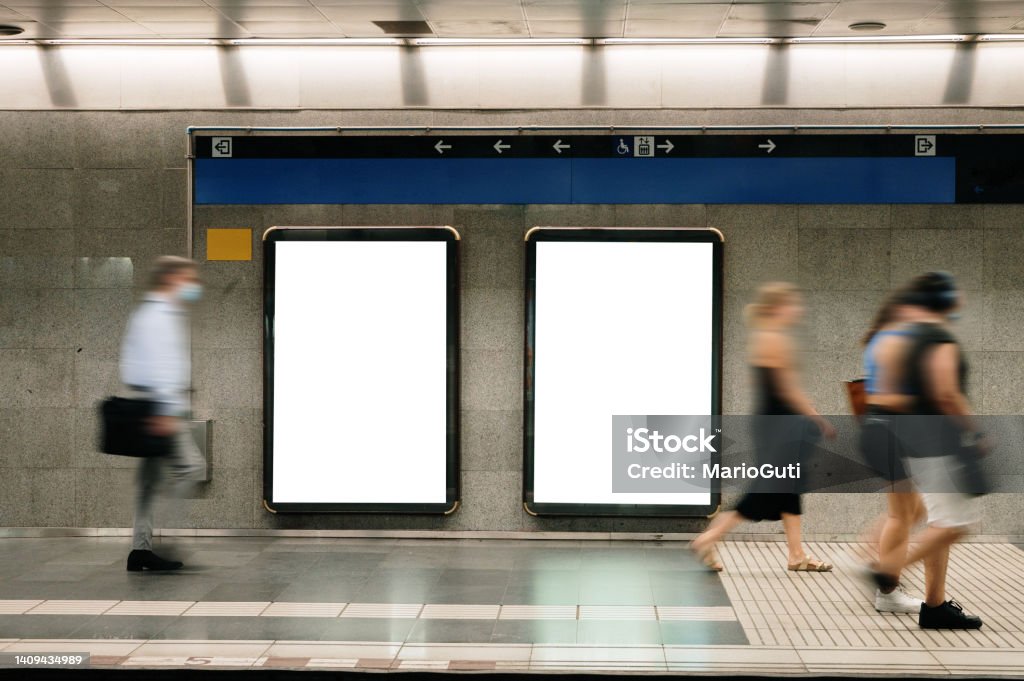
[[229, 244]]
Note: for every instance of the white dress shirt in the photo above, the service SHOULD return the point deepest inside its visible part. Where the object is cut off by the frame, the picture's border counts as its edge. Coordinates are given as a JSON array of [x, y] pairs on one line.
[[155, 352]]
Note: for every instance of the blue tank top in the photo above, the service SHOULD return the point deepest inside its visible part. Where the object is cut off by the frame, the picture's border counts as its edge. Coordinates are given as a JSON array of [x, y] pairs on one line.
[[870, 366]]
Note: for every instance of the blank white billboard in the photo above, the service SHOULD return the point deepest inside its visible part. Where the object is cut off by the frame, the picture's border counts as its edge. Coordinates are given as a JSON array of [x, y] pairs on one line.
[[360, 377], [619, 327]]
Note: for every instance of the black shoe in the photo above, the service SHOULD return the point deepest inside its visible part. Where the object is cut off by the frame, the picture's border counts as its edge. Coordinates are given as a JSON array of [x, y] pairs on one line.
[[139, 560], [949, 615]]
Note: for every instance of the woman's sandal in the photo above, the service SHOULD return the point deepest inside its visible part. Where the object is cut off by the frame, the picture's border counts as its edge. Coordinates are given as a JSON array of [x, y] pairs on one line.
[[810, 565], [708, 558]]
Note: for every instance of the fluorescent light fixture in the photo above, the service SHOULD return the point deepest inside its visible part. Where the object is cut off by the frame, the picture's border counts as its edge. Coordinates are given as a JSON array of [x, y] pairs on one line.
[[489, 42], [426, 42], [127, 41], [341, 42], [687, 41], [879, 39]]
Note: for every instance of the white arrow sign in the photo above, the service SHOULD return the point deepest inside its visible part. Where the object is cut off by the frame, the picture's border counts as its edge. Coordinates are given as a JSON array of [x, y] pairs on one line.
[[770, 146], [441, 146], [667, 146], [498, 146], [559, 145]]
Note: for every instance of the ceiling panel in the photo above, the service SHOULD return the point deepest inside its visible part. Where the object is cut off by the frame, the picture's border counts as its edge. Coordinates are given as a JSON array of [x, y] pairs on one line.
[[519, 18], [878, 11], [644, 28], [50, 13], [480, 29], [741, 28], [178, 14], [291, 29], [100, 29], [679, 12], [364, 12], [194, 29], [285, 13], [995, 8], [784, 11]]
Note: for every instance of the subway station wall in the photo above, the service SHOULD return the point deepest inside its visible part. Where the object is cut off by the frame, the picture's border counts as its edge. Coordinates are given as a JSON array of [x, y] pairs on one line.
[[89, 198]]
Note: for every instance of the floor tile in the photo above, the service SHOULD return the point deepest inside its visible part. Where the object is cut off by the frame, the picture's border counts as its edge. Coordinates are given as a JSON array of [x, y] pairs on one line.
[[363, 629], [591, 653], [538, 612], [605, 633], [203, 648], [446, 631], [125, 647], [303, 610], [459, 612], [386, 610], [150, 608], [333, 649], [141, 627], [490, 652], [702, 633], [41, 626], [534, 631], [16, 607], [226, 609], [229, 628], [72, 607]]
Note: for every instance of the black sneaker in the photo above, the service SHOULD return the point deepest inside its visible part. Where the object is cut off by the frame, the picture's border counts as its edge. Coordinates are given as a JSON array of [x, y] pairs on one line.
[[139, 560], [949, 615]]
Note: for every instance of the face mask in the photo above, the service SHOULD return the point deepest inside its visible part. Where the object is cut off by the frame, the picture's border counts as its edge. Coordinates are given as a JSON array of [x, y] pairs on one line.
[[190, 292], [953, 316]]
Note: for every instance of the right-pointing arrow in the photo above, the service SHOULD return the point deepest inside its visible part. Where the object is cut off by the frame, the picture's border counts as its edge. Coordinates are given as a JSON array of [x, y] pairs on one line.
[[770, 146], [559, 146], [667, 146], [441, 146]]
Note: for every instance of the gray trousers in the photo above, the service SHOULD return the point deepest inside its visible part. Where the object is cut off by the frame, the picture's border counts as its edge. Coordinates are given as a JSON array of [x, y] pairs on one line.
[[175, 476]]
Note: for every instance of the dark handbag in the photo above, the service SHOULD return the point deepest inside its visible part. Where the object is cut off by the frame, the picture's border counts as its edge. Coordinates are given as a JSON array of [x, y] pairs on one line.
[[123, 430], [970, 475]]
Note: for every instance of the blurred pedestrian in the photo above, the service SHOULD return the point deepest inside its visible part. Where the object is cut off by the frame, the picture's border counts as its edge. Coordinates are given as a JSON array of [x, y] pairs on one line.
[[777, 309], [155, 365], [941, 420], [885, 346]]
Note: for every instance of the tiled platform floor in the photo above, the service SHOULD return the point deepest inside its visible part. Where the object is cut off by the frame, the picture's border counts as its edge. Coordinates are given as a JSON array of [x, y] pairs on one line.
[[496, 605]]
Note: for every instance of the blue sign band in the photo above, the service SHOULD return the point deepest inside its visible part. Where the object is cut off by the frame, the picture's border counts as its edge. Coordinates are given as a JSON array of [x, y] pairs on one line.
[[807, 180]]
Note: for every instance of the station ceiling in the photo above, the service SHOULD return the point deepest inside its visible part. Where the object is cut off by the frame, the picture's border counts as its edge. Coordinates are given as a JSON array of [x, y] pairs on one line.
[[239, 19]]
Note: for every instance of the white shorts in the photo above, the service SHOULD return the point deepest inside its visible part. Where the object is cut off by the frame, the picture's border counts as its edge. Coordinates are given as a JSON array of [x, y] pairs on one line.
[[934, 477]]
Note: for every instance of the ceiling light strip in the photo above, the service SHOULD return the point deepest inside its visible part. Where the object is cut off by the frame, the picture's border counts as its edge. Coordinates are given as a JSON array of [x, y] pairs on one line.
[[533, 42]]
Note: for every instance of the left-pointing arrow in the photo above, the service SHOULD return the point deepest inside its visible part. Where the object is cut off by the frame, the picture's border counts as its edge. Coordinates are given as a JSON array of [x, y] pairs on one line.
[[498, 146], [441, 146], [560, 145]]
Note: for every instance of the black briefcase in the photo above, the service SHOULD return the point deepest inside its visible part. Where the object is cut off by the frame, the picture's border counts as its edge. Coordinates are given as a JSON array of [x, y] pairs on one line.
[[123, 429]]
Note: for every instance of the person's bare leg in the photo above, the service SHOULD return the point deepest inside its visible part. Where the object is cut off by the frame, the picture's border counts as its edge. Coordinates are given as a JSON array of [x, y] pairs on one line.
[[873, 535], [895, 537], [935, 566], [791, 526], [931, 541], [721, 525]]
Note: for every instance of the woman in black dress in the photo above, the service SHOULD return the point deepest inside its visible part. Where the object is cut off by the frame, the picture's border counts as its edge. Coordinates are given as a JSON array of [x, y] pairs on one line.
[[776, 310]]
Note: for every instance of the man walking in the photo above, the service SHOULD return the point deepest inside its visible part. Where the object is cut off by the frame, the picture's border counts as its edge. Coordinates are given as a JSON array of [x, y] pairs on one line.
[[155, 366]]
